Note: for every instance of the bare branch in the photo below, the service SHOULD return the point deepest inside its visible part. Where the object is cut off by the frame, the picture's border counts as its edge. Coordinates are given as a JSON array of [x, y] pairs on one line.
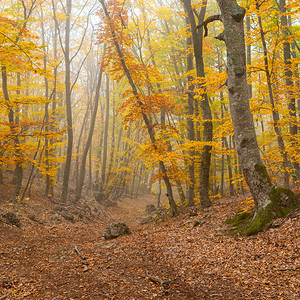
[[207, 21]]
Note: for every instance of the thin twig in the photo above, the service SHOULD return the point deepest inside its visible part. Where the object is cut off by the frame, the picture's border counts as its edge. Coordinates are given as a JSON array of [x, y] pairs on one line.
[[289, 269], [163, 283], [78, 253], [4, 296]]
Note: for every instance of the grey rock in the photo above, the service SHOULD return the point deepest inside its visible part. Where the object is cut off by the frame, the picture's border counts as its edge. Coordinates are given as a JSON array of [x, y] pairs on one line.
[[56, 218], [114, 230], [11, 219]]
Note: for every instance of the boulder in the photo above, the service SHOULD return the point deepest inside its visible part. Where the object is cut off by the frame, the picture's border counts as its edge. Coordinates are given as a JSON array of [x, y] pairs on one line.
[[11, 219], [114, 230]]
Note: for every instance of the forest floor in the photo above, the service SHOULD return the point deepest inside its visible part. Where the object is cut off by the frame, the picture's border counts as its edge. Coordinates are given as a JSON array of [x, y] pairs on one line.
[[171, 259]]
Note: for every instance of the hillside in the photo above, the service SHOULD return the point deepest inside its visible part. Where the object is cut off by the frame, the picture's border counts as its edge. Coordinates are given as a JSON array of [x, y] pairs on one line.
[[187, 257]]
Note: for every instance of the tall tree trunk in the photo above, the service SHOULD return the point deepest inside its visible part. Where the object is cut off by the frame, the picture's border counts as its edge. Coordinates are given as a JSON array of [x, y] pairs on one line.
[[67, 170], [112, 150], [275, 113], [204, 103], [101, 194], [52, 151], [269, 200], [47, 182], [223, 147], [190, 123], [289, 85]]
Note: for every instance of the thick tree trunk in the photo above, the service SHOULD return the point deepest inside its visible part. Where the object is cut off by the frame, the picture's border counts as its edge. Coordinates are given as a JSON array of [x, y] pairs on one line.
[[269, 200]]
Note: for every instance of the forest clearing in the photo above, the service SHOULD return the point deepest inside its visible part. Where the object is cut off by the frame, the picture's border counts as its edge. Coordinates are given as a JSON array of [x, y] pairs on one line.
[[149, 149], [174, 258]]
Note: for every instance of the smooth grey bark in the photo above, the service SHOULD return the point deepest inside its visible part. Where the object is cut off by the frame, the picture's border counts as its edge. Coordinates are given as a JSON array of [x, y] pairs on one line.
[[246, 142], [269, 200], [146, 118], [204, 103]]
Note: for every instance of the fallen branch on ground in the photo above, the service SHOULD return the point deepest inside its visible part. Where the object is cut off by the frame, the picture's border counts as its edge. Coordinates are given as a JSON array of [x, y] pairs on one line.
[[163, 283], [289, 269], [78, 253]]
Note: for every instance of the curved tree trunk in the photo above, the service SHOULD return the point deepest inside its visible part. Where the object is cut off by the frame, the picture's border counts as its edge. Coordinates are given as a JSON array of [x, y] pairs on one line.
[[146, 118]]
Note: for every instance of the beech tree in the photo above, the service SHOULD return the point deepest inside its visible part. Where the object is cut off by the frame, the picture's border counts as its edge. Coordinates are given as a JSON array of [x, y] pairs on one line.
[[270, 201], [206, 111]]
